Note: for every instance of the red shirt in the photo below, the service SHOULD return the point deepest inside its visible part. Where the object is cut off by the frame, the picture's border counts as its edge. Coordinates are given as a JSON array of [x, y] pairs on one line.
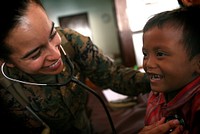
[[186, 104]]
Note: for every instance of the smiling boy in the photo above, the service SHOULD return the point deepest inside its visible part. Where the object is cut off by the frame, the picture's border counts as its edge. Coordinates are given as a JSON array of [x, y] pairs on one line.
[[171, 48]]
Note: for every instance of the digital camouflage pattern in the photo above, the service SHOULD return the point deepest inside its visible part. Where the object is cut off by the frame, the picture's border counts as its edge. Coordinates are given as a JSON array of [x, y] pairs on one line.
[[63, 108]]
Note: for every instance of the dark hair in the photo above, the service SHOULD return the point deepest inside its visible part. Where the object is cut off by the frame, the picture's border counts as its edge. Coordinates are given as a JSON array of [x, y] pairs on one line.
[[180, 2], [10, 14], [184, 19]]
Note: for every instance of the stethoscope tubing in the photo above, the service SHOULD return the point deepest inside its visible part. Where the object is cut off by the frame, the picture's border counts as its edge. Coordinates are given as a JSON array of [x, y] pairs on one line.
[[70, 79]]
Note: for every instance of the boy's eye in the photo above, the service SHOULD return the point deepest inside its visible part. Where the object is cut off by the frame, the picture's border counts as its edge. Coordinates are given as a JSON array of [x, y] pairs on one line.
[[144, 53], [160, 54]]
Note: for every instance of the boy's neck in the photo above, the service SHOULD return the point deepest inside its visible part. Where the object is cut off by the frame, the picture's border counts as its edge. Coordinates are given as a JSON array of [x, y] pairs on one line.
[[170, 95]]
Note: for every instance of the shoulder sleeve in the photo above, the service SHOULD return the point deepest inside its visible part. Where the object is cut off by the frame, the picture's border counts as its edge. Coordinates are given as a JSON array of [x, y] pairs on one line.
[[101, 69]]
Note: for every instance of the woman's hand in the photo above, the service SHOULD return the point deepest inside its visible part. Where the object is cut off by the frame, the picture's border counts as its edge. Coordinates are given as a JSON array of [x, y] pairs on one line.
[[161, 127]]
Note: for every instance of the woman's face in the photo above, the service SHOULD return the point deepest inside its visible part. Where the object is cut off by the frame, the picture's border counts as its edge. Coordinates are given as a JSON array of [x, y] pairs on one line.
[[35, 44]]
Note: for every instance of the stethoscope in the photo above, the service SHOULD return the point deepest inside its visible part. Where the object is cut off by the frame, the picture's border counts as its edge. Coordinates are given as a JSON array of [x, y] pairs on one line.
[[70, 79]]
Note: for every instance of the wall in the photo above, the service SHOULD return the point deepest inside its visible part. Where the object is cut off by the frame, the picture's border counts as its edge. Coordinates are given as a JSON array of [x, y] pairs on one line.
[[104, 33]]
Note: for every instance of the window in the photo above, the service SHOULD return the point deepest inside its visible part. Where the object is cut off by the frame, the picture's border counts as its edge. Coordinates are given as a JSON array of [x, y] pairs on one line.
[[138, 12], [77, 22]]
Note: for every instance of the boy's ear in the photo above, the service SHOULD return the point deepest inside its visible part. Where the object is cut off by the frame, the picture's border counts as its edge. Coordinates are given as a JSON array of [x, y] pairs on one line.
[[198, 64], [187, 2]]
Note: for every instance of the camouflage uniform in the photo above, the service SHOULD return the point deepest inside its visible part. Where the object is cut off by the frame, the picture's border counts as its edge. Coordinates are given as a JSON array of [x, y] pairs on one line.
[[63, 108]]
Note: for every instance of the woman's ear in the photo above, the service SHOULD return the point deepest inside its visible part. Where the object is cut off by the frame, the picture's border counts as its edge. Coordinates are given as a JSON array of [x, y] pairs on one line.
[[9, 64], [187, 2], [1, 62]]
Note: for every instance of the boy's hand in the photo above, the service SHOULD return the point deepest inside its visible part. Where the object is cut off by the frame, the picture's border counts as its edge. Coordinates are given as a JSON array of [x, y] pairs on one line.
[[162, 128]]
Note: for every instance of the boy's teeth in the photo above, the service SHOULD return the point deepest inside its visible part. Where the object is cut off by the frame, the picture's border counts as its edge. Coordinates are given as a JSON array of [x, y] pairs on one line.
[[156, 76]]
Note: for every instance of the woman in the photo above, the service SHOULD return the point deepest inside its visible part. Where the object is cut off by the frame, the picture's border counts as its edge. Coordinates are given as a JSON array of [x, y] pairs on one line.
[[31, 54]]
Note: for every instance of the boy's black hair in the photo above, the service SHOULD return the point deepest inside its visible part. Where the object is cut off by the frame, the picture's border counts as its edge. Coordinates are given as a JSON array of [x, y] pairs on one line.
[[184, 19], [180, 3]]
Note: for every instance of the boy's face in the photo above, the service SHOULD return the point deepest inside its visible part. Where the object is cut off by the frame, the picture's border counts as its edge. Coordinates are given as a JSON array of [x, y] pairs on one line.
[[190, 2], [165, 60]]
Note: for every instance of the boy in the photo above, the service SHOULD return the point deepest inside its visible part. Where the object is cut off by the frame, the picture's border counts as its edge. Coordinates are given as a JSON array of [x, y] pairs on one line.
[[171, 48]]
